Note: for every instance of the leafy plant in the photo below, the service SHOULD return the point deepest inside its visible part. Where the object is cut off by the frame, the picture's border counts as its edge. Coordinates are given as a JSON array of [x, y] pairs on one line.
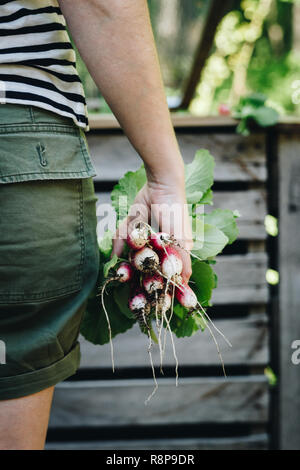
[[253, 108]]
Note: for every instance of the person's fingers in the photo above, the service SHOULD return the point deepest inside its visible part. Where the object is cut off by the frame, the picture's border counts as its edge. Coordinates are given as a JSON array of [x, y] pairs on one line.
[[126, 226], [118, 246], [186, 263]]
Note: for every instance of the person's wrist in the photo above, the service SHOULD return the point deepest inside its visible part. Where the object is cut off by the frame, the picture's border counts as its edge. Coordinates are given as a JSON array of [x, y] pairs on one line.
[[170, 175]]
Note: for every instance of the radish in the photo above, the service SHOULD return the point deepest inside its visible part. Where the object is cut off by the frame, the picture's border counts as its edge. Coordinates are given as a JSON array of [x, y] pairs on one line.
[[164, 303], [224, 109], [138, 237], [171, 262], [186, 297], [124, 272], [145, 260], [160, 240], [153, 283], [138, 301]]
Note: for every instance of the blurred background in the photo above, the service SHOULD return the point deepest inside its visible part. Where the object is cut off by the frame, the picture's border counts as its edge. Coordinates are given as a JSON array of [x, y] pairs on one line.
[[256, 47], [232, 78]]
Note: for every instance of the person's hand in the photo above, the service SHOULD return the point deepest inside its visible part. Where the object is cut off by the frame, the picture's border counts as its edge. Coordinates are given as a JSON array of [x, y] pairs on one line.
[[153, 202]]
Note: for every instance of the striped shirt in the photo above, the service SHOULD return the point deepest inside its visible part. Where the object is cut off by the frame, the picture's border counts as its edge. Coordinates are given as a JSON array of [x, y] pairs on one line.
[[37, 60]]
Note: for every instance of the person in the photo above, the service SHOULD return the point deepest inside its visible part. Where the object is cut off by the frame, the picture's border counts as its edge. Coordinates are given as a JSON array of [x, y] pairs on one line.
[[48, 245]]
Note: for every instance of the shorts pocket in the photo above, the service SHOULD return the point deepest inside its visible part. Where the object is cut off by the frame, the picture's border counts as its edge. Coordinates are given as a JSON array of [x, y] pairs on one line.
[[41, 240], [42, 152]]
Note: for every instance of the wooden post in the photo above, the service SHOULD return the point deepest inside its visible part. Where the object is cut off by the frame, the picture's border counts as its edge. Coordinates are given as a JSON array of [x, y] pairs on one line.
[[289, 290]]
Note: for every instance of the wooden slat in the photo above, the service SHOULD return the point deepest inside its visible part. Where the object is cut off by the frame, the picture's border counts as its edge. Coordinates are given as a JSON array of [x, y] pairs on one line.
[[181, 120], [289, 292], [237, 158], [249, 338], [250, 204], [195, 400], [108, 121], [253, 442], [252, 208], [241, 279]]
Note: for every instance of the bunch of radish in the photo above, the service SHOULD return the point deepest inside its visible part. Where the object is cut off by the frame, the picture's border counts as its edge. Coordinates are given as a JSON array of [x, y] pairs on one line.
[[153, 270]]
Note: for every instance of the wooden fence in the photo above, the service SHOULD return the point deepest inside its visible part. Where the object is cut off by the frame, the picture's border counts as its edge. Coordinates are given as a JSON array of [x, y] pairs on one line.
[[100, 410]]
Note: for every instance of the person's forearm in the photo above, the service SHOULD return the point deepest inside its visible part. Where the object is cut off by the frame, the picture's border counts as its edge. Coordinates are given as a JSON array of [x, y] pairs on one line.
[[115, 40]]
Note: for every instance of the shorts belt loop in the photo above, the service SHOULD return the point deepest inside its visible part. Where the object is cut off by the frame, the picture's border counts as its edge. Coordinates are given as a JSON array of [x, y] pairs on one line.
[[31, 114]]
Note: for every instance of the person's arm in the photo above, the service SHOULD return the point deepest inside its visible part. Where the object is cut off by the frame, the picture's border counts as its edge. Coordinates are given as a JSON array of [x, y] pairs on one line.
[[115, 40]]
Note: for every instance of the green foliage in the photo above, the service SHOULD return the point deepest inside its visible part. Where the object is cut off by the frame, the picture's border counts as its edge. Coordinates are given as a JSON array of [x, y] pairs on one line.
[[199, 176], [253, 107], [105, 244], [225, 220], [182, 323], [203, 281], [94, 326], [124, 193], [210, 240]]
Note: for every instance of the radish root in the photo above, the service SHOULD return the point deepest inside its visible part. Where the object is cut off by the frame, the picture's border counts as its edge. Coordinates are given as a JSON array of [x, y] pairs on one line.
[[108, 322]]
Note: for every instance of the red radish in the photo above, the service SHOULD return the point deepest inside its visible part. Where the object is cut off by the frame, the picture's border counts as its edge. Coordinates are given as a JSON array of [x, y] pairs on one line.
[[224, 109], [145, 260], [124, 272], [164, 303], [138, 301], [153, 282], [186, 297], [141, 308], [171, 262], [160, 240], [138, 237]]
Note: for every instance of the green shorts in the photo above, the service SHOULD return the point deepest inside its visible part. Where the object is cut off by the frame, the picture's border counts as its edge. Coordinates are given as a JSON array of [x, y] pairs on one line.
[[49, 256]]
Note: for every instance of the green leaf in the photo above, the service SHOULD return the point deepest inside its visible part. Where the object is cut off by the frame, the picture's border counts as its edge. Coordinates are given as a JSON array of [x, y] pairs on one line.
[[110, 264], [265, 116], [124, 193], [225, 220], [199, 176], [253, 107], [94, 325], [181, 324], [202, 281], [210, 240], [105, 244], [207, 198], [121, 296], [200, 322], [255, 99]]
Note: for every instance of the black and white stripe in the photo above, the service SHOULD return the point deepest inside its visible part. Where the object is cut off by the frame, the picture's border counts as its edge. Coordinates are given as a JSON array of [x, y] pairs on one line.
[[37, 60]]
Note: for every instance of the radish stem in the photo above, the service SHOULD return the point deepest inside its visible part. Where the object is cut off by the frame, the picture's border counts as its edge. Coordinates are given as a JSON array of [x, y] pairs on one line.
[[217, 346], [212, 323], [108, 324]]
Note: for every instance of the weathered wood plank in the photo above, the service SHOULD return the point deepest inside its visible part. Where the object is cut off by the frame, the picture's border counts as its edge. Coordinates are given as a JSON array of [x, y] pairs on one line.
[[108, 121], [249, 338], [195, 400], [253, 442], [289, 292], [250, 204], [237, 158], [241, 279]]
